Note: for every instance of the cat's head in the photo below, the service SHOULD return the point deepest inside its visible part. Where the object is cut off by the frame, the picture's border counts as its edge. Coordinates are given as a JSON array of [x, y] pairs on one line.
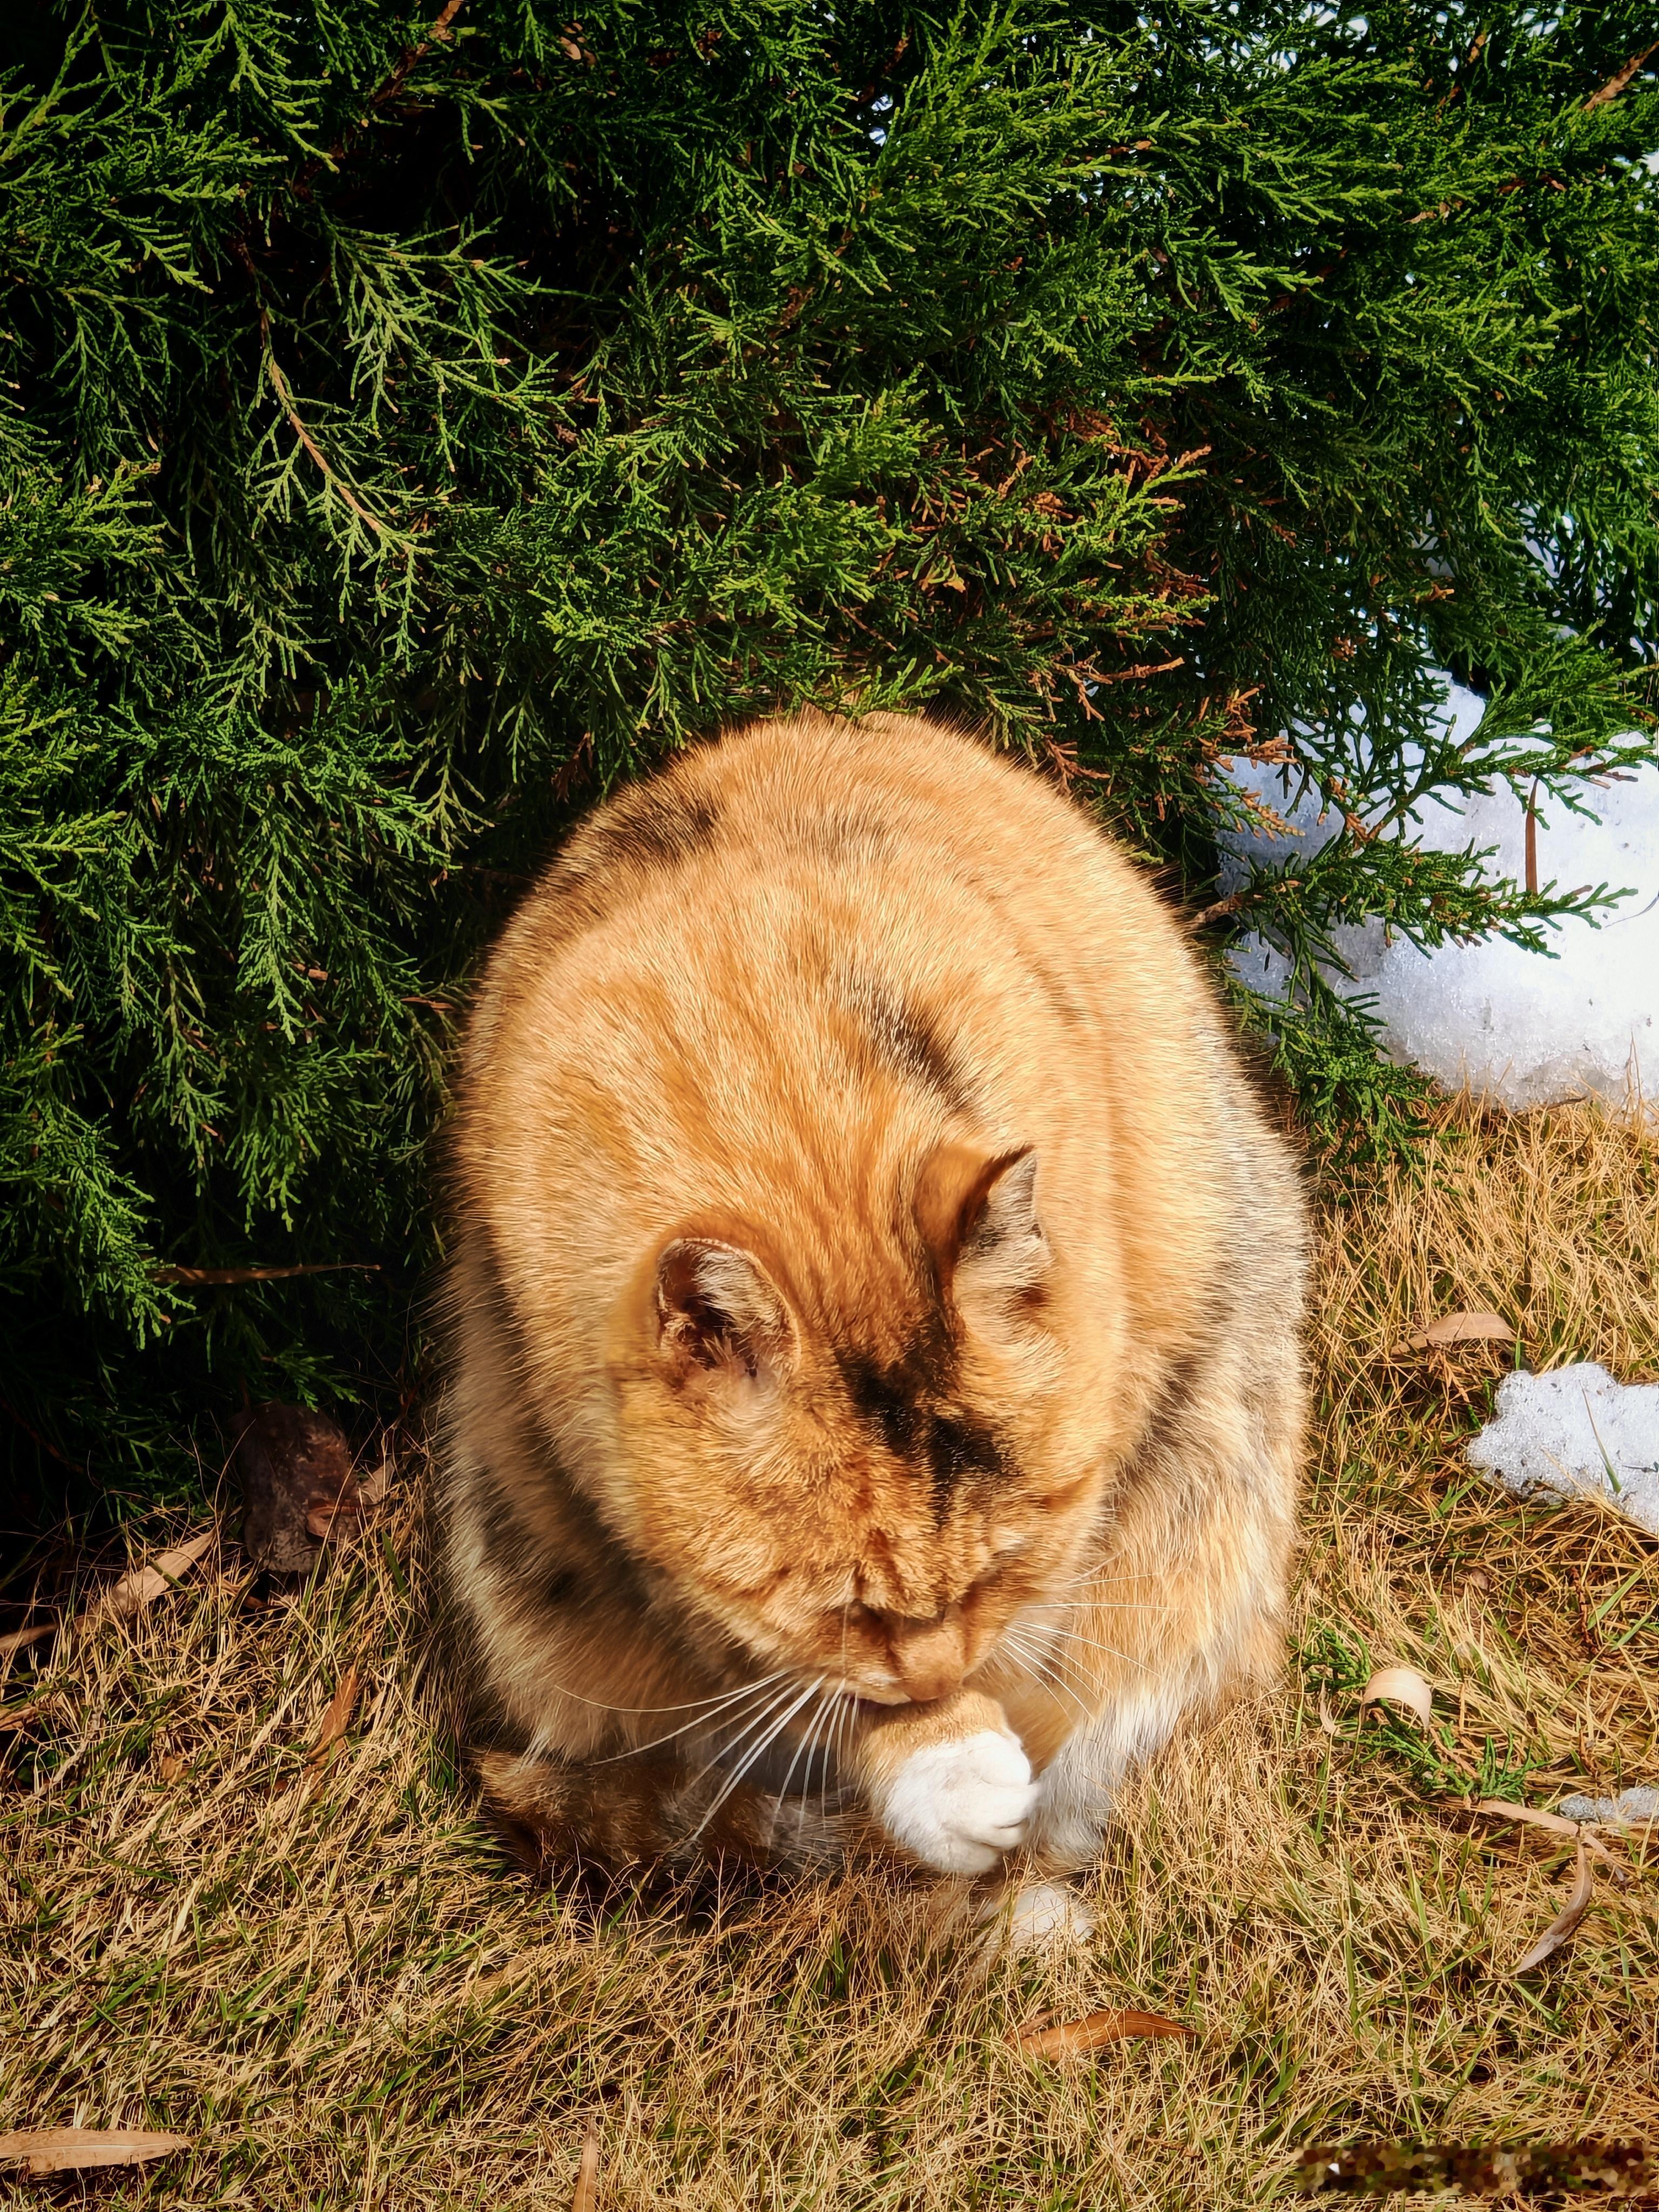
[[840, 1449]]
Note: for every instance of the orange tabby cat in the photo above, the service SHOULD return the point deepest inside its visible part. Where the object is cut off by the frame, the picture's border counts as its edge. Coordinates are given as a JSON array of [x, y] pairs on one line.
[[876, 1397]]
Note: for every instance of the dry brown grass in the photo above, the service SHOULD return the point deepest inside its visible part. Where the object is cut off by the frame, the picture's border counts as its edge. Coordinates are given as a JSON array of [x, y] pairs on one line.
[[343, 1998]]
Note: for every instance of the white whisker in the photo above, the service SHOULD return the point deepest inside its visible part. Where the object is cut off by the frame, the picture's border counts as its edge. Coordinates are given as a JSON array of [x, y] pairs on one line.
[[757, 1751], [687, 1705], [750, 1725], [1059, 1635], [846, 1721], [838, 1713], [734, 1697], [1092, 1605], [1037, 1667], [1070, 1636], [817, 1739], [827, 1750], [804, 1745], [1080, 1582]]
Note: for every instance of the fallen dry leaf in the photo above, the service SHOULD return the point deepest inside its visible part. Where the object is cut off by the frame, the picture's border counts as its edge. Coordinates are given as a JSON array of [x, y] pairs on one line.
[[376, 1486], [335, 1721], [1460, 1329], [322, 1517], [19, 1639], [1070, 2038], [587, 2172], [17, 1717], [1399, 1685], [1377, 2169], [1502, 1809], [1577, 1905], [295, 1467], [141, 1586], [1556, 1823], [60, 2150]]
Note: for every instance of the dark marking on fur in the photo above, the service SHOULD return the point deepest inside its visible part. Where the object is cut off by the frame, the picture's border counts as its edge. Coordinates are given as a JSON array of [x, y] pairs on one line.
[[905, 1403], [889, 1401], [513, 1548], [500, 1532], [561, 1587], [960, 1447], [653, 824], [519, 1559], [844, 839], [959, 1451], [907, 1039], [1166, 1435], [1074, 1015]]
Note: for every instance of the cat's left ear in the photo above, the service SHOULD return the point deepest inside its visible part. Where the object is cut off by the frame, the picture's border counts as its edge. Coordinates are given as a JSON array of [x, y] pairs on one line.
[[977, 1213]]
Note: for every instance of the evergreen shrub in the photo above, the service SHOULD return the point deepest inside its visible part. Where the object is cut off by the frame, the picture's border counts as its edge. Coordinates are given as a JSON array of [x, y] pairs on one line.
[[411, 424]]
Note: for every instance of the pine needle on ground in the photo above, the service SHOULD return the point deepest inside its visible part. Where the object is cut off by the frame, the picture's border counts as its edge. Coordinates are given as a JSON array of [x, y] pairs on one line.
[[341, 1995]]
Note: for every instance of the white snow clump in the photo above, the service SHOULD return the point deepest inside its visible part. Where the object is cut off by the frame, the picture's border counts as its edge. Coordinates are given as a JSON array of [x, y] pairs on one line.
[[1641, 1803], [1577, 1430], [1525, 1029]]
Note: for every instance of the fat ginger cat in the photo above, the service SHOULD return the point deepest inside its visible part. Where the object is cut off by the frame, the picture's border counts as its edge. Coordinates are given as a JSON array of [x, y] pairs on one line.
[[875, 1398]]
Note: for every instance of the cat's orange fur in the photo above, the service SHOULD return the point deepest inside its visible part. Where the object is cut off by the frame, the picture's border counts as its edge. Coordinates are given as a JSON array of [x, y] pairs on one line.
[[872, 1272]]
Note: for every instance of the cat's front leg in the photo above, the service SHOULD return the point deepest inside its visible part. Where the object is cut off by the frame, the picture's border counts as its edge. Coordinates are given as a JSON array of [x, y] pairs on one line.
[[950, 1780]]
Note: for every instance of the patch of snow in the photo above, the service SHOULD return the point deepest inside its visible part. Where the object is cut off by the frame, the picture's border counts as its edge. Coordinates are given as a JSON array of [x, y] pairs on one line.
[[1578, 1431], [1038, 1916], [1525, 1029], [1639, 1804]]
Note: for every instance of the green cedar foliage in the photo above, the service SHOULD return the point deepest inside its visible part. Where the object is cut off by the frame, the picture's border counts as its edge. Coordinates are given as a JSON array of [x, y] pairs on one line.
[[410, 425]]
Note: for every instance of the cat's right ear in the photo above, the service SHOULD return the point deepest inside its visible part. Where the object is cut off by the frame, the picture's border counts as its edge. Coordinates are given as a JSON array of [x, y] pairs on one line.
[[977, 1213], [720, 1313]]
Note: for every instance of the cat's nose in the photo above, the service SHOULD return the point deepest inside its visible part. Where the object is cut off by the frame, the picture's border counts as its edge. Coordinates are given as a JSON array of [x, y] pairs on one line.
[[930, 1657]]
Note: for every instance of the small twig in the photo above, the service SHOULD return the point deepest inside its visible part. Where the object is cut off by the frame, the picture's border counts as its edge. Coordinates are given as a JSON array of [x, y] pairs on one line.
[[1532, 842], [388, 88], [1616, 84], [19, 1639], [438, 35], [285, 397], [575, 768], [1567, 1919], [1219, 909], [1015, 473], [1072, 2039], [191, 1276], [1141, 668], [31, 1431], [280, 385], [1066, 764], [141, 1586]]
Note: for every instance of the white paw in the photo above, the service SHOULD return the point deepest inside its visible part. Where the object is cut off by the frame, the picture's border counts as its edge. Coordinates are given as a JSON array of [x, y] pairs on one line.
[[960, 1806]]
